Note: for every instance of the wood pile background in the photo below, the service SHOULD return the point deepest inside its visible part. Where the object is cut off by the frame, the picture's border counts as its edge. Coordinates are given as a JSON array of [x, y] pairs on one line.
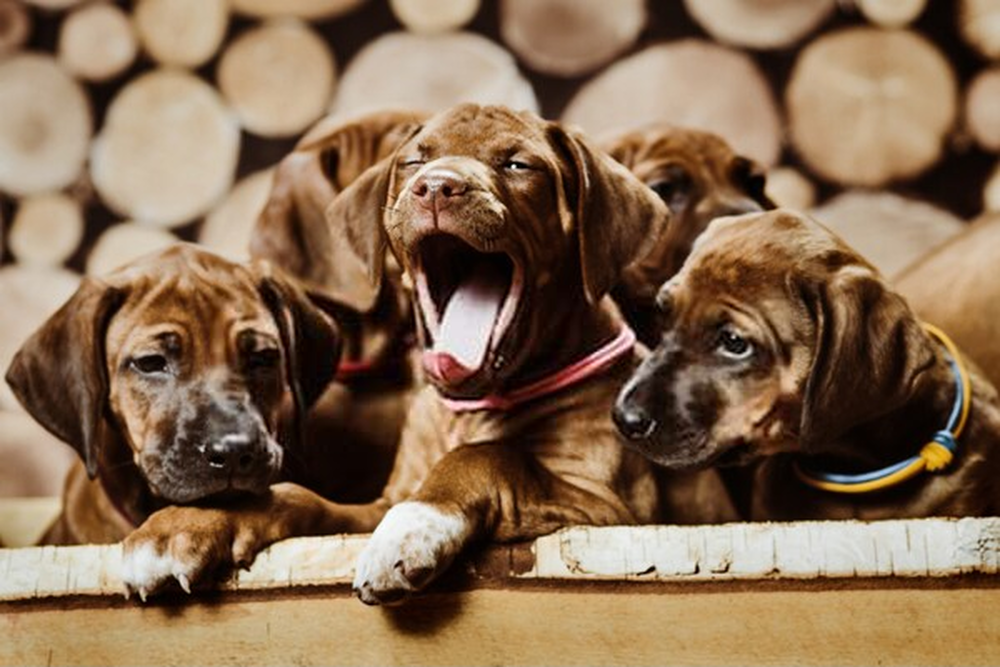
[[127, 125]]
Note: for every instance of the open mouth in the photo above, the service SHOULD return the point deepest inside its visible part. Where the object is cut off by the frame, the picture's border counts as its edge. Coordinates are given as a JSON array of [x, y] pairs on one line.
[[468, 299]]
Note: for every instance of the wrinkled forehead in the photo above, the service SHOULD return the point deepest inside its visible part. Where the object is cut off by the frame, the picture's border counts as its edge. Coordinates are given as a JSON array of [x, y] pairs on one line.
[[198, 295], [474, 131]]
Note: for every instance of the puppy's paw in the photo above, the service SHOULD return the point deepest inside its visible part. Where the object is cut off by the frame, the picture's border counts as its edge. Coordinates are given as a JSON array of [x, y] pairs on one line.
[[186, 544], [414, 543]]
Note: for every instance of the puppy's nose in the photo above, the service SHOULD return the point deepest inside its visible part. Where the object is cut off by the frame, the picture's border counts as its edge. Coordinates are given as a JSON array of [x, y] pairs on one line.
[[437, 188], [234, 452], [633, 422]]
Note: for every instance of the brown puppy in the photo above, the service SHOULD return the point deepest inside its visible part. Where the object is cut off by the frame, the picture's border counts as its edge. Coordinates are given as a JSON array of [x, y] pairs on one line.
[[167, 377], [360, 415], [957, 288], [781, 342], [513, 230], [699, 176]]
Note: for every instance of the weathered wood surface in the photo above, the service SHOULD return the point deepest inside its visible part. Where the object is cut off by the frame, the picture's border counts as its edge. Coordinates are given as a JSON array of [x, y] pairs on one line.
[[803, 550]]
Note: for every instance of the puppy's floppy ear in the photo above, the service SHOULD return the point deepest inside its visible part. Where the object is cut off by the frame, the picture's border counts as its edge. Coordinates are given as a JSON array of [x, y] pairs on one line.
[[355, 223], [310, 339], [60, 373], [292, 231], [870, 351], [615, 215]]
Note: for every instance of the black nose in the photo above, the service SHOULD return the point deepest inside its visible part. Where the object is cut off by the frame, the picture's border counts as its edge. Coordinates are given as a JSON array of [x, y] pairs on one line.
[[234, 452], [633, 422]]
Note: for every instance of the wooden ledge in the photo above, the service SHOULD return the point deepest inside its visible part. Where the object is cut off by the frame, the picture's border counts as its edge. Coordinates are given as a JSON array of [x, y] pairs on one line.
[[741, 551]]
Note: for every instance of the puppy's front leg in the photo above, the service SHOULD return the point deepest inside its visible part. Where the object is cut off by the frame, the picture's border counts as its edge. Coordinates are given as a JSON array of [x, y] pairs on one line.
[[475, 492], [193, 544]]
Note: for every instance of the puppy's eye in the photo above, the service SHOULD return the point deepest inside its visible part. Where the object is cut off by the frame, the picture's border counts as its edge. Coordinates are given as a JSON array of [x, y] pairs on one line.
[[264, 359], [150, 364], [734, 346], [413, 162], [516, 165], [674, 188]]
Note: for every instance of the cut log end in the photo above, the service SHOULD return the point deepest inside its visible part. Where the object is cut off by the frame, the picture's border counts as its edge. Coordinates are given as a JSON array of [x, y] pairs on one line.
[[96, 42], [46, 230], [891, 13], [186, 33], [311, 10], [788, 188], [570, 37], [45, 125], [979, 25], [279, 78], [165, 163], [122, 243], [898, 91], [711, 88], [228, 228], [982, 109], [773, 24], [430, 16]]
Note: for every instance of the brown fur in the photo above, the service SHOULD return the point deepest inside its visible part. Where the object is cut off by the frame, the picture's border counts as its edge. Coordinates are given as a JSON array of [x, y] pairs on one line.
[[699, 177], [956, 287], [841, 375], [147, 371], [364, 411], [569, 219]]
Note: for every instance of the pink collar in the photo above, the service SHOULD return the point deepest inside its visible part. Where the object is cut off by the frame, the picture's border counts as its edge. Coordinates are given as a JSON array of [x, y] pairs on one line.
[[591, 365]]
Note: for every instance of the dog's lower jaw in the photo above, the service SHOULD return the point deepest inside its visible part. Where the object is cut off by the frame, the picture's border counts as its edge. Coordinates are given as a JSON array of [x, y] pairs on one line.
[[413, 544]]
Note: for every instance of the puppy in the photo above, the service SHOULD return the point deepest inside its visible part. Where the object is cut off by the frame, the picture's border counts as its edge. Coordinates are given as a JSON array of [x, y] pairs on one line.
[[359, 417], [167, 377], [512, 229], [699, 176], [781, 344]]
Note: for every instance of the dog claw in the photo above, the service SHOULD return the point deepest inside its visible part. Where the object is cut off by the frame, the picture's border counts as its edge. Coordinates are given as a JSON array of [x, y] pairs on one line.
[[143, 594], [128, 593], [185, 583]]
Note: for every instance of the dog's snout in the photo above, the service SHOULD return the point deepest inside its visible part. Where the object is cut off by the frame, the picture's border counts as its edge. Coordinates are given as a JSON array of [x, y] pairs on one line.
[[633, 421], [438, 187], [233, 452]]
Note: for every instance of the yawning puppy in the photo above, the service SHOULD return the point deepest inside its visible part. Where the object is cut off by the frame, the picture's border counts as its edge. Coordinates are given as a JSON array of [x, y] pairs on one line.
[[513, 229], [781, 343], [700, 178], [168, 377]]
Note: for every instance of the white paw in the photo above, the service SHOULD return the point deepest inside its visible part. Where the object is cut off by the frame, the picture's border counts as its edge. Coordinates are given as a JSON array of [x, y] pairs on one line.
[[145, 570], [414, 543]]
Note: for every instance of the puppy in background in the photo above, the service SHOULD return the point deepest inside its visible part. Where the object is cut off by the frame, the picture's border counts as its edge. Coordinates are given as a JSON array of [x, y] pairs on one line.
[[781, 344], [699, 177], [358, 418]]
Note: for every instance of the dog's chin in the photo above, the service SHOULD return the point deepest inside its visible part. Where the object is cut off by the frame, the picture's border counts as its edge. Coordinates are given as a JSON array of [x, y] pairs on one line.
[[674, 455]]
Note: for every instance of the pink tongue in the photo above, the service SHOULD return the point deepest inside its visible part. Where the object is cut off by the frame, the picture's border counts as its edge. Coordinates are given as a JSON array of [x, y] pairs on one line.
[[468, 319]]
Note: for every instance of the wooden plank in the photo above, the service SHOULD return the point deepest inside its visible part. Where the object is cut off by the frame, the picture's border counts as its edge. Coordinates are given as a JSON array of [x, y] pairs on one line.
[[649, 625], [750, 551]]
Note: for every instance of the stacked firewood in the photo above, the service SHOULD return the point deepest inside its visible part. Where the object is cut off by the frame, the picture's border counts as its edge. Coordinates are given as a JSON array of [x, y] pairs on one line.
[[125, 126]]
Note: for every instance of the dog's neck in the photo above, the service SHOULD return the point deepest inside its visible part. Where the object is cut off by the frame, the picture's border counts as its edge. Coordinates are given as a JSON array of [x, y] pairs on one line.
[[901, 432]]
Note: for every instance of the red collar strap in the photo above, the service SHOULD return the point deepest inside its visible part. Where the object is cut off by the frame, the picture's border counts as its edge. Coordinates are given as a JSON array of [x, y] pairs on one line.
[[349, 370], [597, 361]]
